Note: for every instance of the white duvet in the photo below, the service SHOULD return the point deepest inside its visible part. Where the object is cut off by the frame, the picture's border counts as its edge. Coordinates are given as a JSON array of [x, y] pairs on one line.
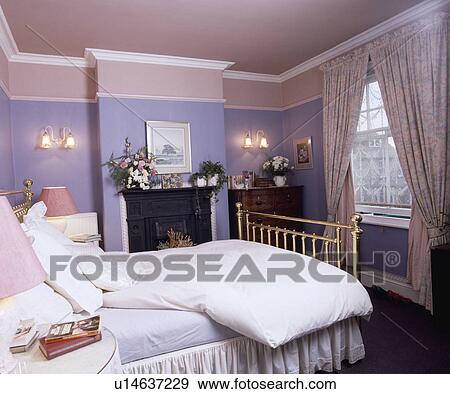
[[271, 313]]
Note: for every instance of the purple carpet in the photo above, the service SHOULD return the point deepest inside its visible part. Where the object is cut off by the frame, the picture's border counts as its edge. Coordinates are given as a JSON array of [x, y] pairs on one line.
[[402, 338]]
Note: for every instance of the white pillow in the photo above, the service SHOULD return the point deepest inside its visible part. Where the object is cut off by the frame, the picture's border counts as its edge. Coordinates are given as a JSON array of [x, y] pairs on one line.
[[42, 304], [104, 281], [35, 219], [82, 294]]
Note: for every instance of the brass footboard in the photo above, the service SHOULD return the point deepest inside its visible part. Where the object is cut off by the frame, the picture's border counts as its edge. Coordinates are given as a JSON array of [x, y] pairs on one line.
[[22, 208], [295, 240]]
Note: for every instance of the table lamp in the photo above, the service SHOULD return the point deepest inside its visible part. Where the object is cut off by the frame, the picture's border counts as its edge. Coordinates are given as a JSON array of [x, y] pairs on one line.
[[20, 270], [59, 203]]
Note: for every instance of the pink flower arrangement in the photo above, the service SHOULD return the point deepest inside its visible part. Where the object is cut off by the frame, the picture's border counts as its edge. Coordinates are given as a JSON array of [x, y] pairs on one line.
[[133, 171]]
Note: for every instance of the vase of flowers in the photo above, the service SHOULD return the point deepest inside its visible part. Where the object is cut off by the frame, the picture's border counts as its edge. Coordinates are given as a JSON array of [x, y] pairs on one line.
[[278, 167], [132, 170]]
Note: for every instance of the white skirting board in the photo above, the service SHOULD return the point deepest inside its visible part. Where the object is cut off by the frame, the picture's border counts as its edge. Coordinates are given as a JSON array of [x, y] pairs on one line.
[[391, 282]]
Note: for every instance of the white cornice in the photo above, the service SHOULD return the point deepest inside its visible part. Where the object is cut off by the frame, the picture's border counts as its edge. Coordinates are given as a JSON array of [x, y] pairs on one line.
[[92, 55], [6, 38], [9, 46], [36, 58], [248, 76]]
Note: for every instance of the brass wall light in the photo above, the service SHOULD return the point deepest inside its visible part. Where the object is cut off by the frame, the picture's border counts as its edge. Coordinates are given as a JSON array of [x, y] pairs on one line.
[[66, 138]]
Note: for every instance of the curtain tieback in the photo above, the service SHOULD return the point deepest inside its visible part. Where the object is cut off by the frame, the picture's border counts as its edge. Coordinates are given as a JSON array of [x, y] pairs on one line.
[[437, 232]]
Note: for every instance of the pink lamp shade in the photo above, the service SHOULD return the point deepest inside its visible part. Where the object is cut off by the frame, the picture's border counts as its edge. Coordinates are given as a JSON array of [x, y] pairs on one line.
[[20, 269], [59, 201]]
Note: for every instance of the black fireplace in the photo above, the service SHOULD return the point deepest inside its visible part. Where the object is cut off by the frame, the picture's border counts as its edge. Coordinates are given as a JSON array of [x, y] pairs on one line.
[[151, 213]]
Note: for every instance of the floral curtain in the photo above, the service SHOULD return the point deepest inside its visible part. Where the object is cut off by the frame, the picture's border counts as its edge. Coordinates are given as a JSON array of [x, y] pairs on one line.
[[412, 68], [344, 80]]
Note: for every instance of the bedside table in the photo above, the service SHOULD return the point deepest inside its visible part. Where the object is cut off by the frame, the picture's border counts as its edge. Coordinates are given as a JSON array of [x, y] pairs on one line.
[[100, 357]]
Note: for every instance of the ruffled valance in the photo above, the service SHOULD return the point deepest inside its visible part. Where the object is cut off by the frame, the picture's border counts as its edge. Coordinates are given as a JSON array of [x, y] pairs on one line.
[[323, 350]]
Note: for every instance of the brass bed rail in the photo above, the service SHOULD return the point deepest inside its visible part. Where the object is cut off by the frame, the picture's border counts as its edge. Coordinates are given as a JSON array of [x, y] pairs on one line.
[[271, 235], [22, 208]]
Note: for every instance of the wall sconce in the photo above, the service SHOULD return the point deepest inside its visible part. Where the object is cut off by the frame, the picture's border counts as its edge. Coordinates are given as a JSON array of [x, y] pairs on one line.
[[66, 138], [260, 138], [248, 141]]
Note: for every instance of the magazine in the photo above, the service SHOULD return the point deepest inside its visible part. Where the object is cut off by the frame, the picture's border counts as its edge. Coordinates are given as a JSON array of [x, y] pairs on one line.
[[71, 330]]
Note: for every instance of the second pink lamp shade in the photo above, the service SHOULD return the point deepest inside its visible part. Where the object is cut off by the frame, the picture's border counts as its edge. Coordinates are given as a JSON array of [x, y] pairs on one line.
[[58, 200]]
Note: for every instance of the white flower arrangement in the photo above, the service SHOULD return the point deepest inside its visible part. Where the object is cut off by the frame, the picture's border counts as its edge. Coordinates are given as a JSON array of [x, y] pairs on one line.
[[277, 165]]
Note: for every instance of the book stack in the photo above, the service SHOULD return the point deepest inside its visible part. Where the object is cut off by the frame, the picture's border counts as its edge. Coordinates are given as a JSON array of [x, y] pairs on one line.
[[24, 337], [85, 238], [66, 337]]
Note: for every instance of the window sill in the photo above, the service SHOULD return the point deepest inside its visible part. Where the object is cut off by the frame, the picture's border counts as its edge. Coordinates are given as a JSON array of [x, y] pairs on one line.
[[385, 221]]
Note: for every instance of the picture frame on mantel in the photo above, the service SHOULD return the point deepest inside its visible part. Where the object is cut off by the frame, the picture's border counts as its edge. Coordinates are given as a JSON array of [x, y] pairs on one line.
[[303, 157], [170, 142]]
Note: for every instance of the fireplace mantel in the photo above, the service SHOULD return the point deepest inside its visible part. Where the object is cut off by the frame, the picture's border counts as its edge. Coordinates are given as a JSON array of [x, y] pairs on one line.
[[151, 213]]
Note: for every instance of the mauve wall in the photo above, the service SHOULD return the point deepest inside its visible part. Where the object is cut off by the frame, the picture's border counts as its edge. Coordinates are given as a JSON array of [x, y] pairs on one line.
[[77, 168], [125, 118], [304, 121], [6, 156], [385, 239], [239, 120]]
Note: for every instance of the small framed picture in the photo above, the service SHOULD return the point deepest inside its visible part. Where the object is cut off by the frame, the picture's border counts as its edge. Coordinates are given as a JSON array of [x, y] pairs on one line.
[[170, 142], [303, 158]]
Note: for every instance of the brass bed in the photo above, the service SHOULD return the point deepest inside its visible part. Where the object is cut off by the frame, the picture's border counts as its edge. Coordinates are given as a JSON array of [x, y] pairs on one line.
[[22, 208], [285, 238], [255, 230]]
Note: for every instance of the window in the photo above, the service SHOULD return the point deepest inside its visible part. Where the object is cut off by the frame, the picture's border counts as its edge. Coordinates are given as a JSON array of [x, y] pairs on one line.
[[380, 187]]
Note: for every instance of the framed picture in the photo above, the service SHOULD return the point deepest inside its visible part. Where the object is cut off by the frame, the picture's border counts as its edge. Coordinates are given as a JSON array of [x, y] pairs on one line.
[[303, 158], [170, 142]]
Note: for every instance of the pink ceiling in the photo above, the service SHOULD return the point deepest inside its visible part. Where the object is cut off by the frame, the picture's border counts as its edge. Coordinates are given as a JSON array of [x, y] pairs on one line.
[[266, 36]]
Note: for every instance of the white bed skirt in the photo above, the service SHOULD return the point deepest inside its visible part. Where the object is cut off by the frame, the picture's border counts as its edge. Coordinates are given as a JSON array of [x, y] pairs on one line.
[[322, 350]]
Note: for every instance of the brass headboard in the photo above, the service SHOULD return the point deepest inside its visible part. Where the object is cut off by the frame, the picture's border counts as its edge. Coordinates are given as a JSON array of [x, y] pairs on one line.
[[271, 235], [21, 209]]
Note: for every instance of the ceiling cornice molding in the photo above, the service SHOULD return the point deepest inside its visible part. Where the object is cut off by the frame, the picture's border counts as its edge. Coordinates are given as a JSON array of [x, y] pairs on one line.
[[9, 46], [55, 60], [388, 25], [7, 41], [93, 55], [249, 76]]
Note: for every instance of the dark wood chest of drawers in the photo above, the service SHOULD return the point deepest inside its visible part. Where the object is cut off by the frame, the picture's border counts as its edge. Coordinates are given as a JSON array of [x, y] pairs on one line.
[[286, 201]]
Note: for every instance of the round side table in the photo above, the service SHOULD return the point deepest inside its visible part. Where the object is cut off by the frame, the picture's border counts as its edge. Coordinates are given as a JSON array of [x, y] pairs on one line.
[[100, 357]]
